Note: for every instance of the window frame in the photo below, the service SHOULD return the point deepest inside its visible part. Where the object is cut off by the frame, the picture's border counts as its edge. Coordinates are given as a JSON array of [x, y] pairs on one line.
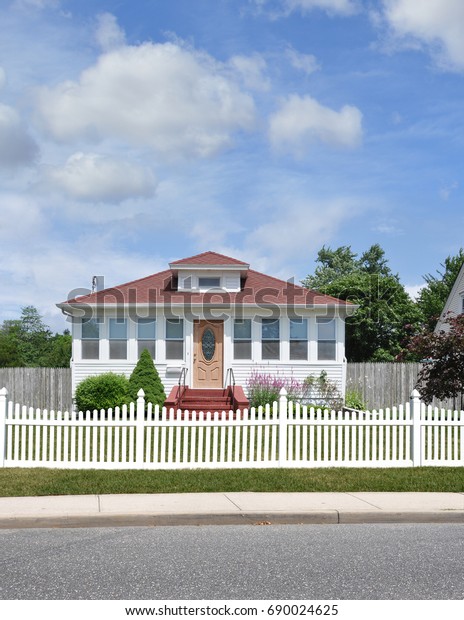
[[326, 341], [266, 341], [170, 339], [242, 341], [89, 339], [298, 340], [113, 350], [146, 343]]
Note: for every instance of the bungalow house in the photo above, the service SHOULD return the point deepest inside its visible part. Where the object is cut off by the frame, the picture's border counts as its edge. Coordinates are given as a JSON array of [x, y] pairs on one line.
[[454, 304], [209, 321]]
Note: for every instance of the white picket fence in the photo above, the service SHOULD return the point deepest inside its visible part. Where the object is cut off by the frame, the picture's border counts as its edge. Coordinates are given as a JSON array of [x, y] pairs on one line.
[[284, 434]]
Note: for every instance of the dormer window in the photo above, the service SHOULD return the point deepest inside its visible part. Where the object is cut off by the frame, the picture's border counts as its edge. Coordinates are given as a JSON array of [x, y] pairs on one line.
[[209, 282]]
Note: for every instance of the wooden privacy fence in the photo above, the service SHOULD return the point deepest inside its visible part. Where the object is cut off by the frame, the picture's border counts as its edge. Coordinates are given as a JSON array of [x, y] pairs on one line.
[[284, 434], [39, 387]]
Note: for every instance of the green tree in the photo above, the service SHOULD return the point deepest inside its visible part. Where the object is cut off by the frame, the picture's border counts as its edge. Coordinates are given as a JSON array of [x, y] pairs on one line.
[[9, 344], [378, 329], [27, 341], [433, 296], [146, 377]]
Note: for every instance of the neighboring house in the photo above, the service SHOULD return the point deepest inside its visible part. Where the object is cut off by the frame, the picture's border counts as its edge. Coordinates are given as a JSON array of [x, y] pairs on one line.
[[454, 304], [207, 314]]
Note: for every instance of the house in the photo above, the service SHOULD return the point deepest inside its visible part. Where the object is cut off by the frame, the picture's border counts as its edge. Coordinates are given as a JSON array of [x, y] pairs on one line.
[[208, 322], [454, 304]]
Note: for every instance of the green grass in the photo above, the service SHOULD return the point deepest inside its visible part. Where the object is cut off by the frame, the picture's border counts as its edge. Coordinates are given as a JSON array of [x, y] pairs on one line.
[[15, 482]]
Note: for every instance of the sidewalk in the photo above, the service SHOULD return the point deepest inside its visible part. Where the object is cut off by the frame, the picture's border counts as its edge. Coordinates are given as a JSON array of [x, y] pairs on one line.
[[230, 508]]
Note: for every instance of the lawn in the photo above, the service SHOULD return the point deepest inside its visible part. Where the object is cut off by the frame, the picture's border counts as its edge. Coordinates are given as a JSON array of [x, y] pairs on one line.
[[15, 482]]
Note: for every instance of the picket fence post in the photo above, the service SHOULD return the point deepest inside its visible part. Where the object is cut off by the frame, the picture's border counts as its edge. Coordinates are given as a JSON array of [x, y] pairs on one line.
[[416, 442], [283, 421], [139, 428], [3, 397]]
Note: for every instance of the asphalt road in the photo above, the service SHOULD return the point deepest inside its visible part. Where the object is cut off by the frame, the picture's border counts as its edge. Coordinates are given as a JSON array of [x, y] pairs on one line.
[[235, 562]]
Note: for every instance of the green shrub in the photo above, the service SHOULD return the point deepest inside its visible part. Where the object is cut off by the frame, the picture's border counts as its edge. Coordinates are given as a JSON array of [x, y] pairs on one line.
[[321, 392], [146, 376], [354, 400], [102, 392]]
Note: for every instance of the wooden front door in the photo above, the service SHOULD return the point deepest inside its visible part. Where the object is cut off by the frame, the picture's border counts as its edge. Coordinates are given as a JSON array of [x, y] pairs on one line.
[[208, 340]]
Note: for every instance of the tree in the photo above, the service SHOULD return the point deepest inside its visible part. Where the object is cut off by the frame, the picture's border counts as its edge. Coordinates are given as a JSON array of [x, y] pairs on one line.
[[442, 375], [379, 327], [27, 341], [146, 377], [433, 296]]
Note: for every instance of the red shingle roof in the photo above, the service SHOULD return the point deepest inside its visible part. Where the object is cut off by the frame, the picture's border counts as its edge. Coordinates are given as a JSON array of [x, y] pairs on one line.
[[257, 289], [209, 258]]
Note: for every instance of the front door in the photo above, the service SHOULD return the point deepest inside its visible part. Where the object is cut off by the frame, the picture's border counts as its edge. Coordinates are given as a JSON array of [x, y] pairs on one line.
[[208, 338]]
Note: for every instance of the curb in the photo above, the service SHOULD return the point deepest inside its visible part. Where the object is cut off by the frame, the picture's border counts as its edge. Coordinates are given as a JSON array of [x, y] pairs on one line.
[[330, 517]]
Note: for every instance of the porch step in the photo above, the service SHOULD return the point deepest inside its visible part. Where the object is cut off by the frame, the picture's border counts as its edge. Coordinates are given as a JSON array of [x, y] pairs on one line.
[[196, 399]]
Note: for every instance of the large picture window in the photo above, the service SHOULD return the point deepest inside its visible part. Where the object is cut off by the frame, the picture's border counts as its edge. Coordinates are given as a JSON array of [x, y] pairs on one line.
[[118, 339], [146, 336], [270, 339], [90, 339], [298, 339], [326, 342], [242, 339], [174, 339]]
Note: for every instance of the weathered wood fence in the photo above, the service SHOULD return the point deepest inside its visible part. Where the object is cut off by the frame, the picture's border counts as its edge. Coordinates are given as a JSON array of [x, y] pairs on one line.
[[378, 383], [46, 388], [381, 383]]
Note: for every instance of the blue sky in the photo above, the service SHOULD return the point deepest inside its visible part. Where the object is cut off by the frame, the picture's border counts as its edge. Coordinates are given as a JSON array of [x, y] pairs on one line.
[[137, 132]]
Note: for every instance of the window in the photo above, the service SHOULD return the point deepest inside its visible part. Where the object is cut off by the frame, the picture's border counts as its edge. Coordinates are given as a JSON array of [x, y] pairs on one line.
[[242, 339], [146, 336], [118, 339], [90, 339], [326, 349], [209, 282], [298, 339], [174, 339], [270, 339]]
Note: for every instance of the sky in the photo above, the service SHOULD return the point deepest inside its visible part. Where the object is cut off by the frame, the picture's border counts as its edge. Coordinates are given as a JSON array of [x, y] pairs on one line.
[[137, 132]]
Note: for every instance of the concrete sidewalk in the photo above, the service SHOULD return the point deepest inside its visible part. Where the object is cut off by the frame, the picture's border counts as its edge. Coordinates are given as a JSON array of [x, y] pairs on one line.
[[230, 508]]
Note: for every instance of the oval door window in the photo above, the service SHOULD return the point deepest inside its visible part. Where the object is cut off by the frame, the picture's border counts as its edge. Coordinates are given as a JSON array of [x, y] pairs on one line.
[[208, 344]]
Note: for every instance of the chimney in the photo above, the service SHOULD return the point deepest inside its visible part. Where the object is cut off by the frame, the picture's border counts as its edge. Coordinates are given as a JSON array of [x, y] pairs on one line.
[[98, 283]]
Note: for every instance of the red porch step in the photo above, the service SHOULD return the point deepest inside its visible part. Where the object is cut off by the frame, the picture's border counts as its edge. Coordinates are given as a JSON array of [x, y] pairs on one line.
[[205, 400]]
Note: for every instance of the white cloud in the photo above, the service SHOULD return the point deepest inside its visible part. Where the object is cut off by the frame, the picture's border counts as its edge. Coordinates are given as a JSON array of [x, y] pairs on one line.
[[109, 35], [251, 69], [21, 222], [296, 225], [437, 25], [37, 4], [413, 290], [303, 62], [332, 7], [98, 178], [17, 148], [302, 121], [342, 7], [177, 101]]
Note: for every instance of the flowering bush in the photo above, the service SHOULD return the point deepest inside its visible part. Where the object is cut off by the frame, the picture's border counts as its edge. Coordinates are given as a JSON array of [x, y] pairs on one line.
[[313, 391], [263, 388]]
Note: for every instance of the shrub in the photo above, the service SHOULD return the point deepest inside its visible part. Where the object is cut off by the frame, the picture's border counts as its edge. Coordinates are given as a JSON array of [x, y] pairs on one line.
[[102, 392], [263, 388], [321, 392], [146, 376], [354, 400]]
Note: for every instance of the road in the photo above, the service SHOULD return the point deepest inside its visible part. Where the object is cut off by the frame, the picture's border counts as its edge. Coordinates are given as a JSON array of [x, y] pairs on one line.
[[235, 562]]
